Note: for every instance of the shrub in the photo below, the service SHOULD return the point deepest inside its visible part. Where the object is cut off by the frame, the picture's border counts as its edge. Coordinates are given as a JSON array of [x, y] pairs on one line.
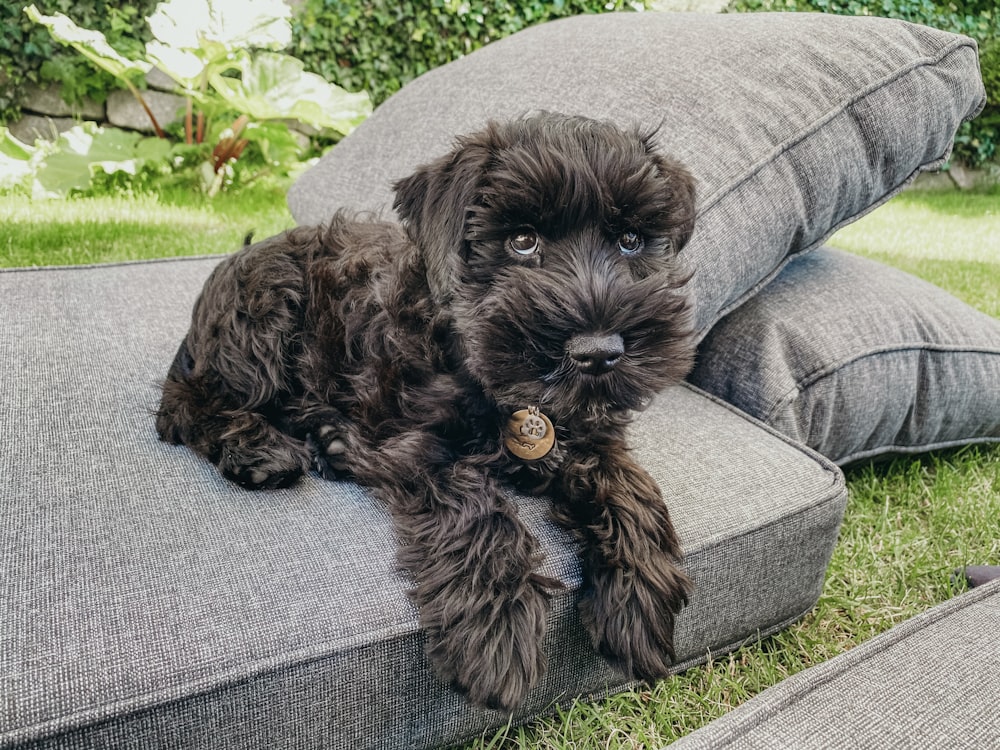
[[206, 51], [978, 141], [378, 45]]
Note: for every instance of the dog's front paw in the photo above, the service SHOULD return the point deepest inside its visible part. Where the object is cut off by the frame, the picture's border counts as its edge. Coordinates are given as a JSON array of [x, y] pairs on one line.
[[493, 653], [263, 470], [256, 455], [630, 615]]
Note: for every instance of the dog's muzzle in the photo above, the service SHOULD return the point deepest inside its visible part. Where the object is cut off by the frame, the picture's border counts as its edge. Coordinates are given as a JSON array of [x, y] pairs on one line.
[[595, 354]]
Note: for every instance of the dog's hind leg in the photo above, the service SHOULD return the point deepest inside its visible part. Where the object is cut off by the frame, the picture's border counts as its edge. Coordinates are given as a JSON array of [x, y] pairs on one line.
[[631, 558], [481, 604], [327, 434]]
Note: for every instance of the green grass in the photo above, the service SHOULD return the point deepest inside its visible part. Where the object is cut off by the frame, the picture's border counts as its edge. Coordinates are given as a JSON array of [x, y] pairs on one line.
[[99, 230], [909, 523], [951, 239]]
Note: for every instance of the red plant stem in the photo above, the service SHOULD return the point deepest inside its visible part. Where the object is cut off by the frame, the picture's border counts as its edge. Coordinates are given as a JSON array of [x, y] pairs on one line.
[[149, 112], [200, 136]]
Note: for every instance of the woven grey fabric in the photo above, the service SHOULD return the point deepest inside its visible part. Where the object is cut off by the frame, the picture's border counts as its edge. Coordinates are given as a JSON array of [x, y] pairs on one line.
[[146, 602], [793, 124], [855, 359], [930, 682]]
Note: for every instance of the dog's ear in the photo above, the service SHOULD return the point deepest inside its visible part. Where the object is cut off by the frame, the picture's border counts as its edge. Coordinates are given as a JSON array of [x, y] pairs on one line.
[[682, 196], [433, 203], [679, 185]]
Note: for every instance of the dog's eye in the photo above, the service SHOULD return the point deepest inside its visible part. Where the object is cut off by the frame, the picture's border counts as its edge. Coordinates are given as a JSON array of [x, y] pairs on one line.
[[523, 241], [630, 243]]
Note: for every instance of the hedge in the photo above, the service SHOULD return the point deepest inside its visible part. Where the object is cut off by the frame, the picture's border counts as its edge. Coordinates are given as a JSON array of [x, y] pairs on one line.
[[379, 45]]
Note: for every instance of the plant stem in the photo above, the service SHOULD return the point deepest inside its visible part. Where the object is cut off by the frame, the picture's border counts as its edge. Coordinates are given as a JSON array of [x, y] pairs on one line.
[[200, 136], [149, 112]]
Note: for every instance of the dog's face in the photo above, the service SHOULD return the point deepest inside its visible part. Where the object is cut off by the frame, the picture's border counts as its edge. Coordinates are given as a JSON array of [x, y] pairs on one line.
[[553, 241]]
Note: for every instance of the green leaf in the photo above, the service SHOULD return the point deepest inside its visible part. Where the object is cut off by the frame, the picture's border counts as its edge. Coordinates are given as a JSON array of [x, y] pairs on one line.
[[86, 148], [184, 66], [90, 44], [274, 86], [186, 24], [18, 161], [14, 149], [275, 141]]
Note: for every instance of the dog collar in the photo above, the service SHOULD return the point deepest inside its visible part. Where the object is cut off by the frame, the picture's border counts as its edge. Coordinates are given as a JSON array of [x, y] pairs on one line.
[[530, 434]]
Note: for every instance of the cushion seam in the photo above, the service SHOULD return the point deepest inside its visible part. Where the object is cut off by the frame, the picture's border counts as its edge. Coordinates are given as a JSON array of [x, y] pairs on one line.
[[814, 377], [115, 263], [955, 45], [187, 689], [911, 449], [190, 689], [822, 461]]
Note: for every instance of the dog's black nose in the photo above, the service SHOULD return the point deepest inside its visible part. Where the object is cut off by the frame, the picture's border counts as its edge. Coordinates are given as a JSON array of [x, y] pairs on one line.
[[596, 354]]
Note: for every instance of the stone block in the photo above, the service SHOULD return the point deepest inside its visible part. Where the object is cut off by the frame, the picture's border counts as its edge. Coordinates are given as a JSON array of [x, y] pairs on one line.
[[47, 100], [157, 79], [31, 128], [125, 112]]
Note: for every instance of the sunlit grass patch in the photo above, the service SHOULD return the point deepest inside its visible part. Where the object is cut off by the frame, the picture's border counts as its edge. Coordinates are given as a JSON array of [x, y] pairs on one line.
[[117, 228]]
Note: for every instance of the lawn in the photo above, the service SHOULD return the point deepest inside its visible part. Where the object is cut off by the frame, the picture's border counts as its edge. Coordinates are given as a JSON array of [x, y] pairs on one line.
[[99, 230], [910, 523]]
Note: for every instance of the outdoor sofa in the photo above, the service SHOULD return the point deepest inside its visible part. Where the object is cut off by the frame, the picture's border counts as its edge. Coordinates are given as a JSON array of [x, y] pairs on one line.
[[147, 602]]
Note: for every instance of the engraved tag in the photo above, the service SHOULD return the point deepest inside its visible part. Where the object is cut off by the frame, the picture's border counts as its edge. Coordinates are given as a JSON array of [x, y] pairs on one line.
[[530, 434]]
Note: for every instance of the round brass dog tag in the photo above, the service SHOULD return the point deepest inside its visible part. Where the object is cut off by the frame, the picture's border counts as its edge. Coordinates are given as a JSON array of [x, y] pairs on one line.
[[530, 434]]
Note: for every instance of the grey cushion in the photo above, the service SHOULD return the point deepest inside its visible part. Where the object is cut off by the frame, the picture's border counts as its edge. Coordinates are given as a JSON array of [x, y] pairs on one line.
[[146, 602], [930, 682], [855, 359], [793, 124]]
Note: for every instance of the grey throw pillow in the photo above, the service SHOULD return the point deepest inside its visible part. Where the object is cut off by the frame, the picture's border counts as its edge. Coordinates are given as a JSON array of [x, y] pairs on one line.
[[856, 359], [793, 124]]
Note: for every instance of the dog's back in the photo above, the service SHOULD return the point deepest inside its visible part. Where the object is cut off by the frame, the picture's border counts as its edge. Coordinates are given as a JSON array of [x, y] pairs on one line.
[[261, 316]]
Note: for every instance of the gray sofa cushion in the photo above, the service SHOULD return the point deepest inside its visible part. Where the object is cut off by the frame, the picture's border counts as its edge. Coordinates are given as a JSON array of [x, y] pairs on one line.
[[793, 124], [855, 359], [930, 682], [146, 602]]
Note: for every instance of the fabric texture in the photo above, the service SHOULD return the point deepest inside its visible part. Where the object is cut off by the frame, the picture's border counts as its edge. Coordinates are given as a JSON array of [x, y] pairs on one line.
[[147, 602], [856, 359], [932, 681], [793, 124]]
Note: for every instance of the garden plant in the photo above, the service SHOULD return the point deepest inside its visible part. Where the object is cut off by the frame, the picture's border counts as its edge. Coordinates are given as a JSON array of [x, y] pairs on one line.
[[239, 91]]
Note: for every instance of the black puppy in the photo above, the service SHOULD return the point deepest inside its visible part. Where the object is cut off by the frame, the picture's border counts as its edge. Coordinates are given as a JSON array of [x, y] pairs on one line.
[[530, 300]]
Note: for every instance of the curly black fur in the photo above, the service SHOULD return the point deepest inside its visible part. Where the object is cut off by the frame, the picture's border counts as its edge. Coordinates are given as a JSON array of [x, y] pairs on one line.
[[395, 355]]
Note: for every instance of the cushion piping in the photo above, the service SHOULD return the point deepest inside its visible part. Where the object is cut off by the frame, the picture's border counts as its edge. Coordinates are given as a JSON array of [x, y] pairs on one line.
[[814, 127], [817, 376]]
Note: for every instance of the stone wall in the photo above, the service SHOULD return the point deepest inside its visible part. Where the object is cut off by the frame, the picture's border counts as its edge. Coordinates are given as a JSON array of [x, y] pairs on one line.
[[46, 114]]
